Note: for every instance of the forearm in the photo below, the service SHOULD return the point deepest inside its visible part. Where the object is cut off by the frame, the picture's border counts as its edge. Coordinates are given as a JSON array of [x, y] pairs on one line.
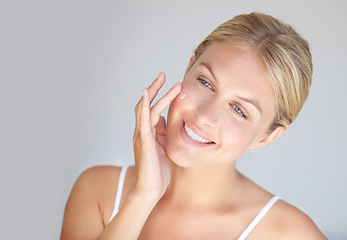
[[129, 221]]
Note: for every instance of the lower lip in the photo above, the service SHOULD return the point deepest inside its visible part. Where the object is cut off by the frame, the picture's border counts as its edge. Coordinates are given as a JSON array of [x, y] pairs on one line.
[[190, 141]]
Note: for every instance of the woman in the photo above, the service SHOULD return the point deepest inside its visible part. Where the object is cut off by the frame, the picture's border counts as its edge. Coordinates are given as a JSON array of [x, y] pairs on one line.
[[244, 84]]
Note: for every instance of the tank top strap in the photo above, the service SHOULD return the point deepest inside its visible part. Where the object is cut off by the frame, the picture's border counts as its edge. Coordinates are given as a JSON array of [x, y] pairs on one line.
[[121, 181], [258, 218]]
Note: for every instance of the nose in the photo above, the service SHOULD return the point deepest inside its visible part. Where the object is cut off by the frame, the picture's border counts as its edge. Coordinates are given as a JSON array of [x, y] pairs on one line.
[[208, 113]]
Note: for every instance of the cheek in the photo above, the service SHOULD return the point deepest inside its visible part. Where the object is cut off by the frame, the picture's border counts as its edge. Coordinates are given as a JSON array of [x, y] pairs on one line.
[[183, 106], [192, 94], [181, 101], [184, 92], [176, 108], [237, 133], [181, 96]]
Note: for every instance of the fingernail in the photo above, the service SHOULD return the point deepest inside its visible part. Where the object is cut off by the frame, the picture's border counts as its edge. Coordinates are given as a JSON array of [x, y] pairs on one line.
[[159, 75], [183, 96]]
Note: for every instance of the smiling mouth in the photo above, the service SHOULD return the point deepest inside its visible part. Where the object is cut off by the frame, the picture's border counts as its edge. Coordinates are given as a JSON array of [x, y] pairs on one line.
[[194, 136]]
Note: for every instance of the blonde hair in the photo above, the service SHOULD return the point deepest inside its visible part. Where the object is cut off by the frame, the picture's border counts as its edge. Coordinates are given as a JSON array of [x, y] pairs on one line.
[[286, 56]]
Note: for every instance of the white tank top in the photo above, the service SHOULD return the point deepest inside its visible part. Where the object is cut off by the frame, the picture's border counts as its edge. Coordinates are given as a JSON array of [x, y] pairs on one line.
[[243, 236]]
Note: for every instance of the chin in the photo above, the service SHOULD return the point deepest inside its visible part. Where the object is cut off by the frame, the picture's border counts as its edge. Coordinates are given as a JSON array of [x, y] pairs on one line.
[[185, 159], [180, 157]]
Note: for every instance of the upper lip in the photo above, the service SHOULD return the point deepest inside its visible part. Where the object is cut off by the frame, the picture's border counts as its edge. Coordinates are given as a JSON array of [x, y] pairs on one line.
[[198, 132]]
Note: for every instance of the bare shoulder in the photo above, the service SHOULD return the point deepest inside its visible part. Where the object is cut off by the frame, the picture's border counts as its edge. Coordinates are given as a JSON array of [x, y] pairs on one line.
[[292, 223], [283, 221], [99, 175], [102, 182], [96, 182], [90, 203]]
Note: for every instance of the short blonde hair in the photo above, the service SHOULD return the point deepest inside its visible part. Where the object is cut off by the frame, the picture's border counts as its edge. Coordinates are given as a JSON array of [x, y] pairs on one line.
[[286, 56]]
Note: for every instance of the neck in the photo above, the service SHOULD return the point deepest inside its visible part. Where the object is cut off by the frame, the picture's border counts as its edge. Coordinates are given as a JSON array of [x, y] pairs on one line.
[[207, 185]]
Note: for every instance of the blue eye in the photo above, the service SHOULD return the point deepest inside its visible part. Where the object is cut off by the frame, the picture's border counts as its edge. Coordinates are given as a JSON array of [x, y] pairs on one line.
[[239, 111], [204, 83]]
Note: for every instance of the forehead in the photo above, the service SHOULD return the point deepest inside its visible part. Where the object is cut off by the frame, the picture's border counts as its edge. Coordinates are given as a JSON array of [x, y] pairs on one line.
[[235, 62], [232, 53]]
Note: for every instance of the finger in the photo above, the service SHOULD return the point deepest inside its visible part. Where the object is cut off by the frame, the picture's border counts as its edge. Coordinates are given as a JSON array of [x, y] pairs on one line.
[[154, 88], [137, 111], [145, 126], [152, 92], [164, 102]]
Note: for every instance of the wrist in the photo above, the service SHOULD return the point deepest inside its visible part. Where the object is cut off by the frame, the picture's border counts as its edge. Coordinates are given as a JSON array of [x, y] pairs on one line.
[[149, 197], [131, 217]]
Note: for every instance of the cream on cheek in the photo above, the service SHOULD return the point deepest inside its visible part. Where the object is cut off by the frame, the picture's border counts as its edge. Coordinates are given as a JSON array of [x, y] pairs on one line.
[[177, 106], [180, 99], [182, 96], [191, 90], [186, 94]]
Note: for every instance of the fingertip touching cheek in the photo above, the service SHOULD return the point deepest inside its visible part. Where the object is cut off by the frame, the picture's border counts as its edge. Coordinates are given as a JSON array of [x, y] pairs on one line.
[[182, 94]]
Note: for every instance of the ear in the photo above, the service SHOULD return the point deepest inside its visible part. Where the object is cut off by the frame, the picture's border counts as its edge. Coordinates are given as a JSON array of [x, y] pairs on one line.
[[269, 138], [190, 64]]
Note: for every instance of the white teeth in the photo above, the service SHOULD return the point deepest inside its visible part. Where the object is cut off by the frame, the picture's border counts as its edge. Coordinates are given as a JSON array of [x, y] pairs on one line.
[[194, 136]]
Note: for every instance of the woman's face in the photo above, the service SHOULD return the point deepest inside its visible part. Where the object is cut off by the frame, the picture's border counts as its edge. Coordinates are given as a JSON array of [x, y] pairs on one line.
[[226, 106]]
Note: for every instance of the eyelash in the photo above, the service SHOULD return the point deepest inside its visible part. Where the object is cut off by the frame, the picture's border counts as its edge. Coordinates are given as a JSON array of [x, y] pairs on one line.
[[239, 111], [204, 83], [236, 108]]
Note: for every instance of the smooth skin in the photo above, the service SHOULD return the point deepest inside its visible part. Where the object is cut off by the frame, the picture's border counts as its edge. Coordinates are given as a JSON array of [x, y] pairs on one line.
[[184, 189]]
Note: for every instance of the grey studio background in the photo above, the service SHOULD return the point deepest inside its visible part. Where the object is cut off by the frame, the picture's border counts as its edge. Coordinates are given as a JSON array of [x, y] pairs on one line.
[[72, 71]]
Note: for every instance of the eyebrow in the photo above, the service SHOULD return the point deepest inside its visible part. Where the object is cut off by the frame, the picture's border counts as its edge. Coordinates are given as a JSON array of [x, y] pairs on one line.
[[209, 69], [248, 100], [253, 102]]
